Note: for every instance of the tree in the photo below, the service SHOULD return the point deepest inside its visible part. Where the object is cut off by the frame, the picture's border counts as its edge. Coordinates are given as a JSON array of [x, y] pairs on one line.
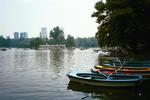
[[35, 43], [7, 41], [4, 42], [86, 42], [70, 41], [57, 35], [124, 24]]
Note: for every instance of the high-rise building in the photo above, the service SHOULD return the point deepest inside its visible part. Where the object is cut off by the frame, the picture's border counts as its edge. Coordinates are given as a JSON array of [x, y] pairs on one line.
[[23, 35], [16, 35], [43, 33]]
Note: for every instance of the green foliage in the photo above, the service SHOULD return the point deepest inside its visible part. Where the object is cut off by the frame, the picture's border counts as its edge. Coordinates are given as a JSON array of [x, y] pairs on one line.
[[20, 43], [70, 41], [7, 42], [35, 42], [25, 43], [124, 24], [57, 36], [4, 42], [86, 42]]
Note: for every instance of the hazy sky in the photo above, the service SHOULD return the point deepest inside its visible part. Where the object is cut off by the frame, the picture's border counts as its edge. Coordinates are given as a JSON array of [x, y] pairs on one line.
[[74, 16]]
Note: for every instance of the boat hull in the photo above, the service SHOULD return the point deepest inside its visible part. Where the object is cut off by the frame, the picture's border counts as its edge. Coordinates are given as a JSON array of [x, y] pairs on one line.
[[100, 80]]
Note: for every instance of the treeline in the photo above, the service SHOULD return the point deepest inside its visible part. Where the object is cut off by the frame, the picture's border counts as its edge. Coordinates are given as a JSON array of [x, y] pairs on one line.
[[35, 42], [56, 37]]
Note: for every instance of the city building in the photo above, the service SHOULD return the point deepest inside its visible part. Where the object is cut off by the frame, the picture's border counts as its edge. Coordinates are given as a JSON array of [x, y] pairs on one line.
[[43, 32], [16, 35], [23, 35]]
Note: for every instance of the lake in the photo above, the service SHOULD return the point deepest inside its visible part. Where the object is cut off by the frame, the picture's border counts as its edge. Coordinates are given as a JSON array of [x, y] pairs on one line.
[[41, 75]]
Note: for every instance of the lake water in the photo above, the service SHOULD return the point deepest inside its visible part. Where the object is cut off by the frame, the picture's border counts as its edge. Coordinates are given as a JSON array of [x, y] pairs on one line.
[[41, 75]]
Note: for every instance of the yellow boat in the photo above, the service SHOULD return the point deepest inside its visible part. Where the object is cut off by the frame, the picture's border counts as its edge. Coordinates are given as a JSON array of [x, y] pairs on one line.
[[124, 68]]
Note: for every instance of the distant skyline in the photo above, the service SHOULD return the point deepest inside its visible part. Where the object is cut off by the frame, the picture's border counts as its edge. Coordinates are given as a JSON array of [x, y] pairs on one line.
[[74, 16]]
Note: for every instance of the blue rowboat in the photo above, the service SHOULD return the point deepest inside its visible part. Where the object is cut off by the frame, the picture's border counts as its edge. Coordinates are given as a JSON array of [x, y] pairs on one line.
[[115, 80]]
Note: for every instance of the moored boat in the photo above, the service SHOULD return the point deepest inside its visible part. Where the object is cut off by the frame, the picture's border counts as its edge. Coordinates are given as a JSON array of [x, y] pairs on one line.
[[104, 80], [124, 69], [145, 74]]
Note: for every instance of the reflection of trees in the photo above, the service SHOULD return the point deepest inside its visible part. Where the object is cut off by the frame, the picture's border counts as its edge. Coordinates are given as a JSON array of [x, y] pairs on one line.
[[20, 59], [90, 91], [105, 93], [42, 58], [99, 59], [57, 59], [70, 54]]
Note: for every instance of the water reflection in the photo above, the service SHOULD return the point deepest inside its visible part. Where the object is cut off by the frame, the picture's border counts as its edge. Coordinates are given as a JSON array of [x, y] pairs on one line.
[[70, 56], [56, 60], [41, 58], [41, 75], [105, 93]]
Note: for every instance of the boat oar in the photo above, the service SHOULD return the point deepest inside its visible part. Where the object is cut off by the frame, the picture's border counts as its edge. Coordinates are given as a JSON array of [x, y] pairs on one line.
[[106, 76], [121, 65]]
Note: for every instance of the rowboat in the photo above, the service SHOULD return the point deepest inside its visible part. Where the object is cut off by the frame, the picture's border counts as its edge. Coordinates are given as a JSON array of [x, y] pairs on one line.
[[144, 74], [124, 69], [105, 80]]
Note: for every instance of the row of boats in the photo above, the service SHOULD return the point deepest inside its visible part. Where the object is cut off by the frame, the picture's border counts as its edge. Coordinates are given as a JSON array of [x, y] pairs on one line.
[[112, 76]]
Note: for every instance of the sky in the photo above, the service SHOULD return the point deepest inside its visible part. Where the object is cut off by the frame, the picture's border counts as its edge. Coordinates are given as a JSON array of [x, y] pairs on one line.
[[73, 16]]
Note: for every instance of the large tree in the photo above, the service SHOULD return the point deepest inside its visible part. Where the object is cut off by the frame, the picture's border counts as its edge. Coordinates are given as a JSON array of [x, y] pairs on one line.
[[36, 42], [124, 24], [4, 42], [57, 35], [70, 41], [86, 42]]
